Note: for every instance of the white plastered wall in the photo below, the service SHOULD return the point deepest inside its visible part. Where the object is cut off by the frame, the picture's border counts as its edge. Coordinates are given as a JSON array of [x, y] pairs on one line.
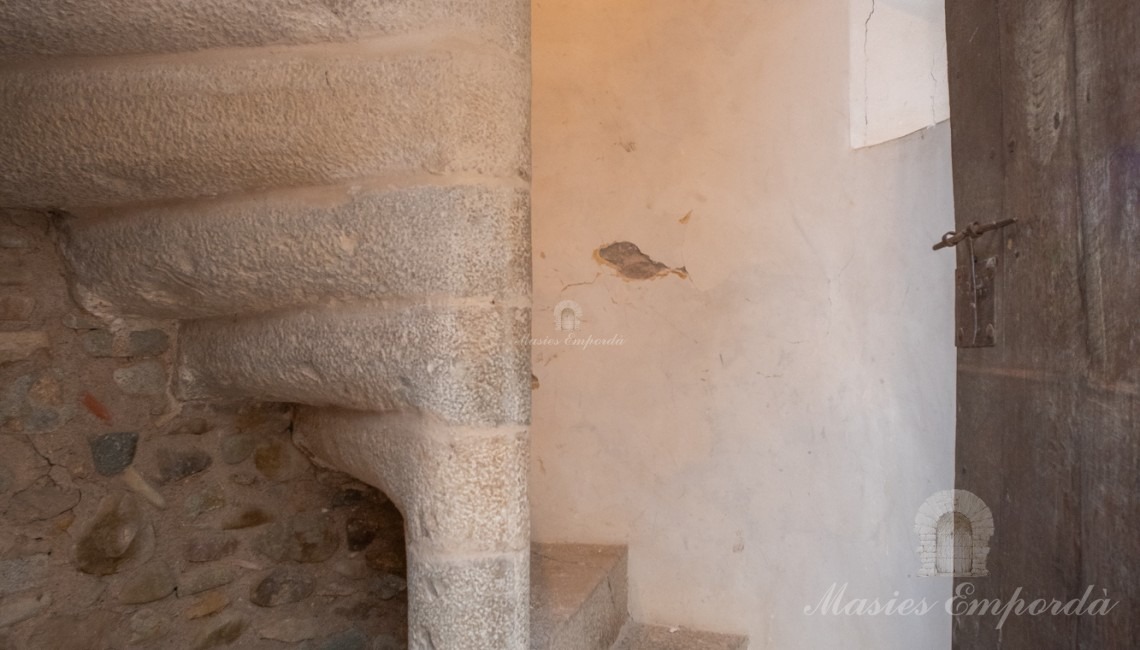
[[770, 424], [898, 68]]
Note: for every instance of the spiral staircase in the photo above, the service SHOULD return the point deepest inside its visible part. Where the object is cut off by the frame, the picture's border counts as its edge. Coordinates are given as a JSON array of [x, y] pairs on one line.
[[332, 198]]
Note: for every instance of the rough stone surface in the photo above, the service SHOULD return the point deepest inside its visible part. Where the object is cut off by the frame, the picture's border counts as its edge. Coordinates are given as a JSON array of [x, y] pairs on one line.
[[16, 609], [145, 378], [140, 343], [456, 111], [174, 465], [221, 633], [578, 596], [209, 499], [147, 343], [321, 249], [18, 574], [200, 580], [112, 536], [351, 639], [191, 427], [278, 460], [16, 308], [75, 630], [368, 145], [98, 343], [468, 365], [360, 532], [23, 465], [247, 518], [208, 547], [44, 500], [112, 453], [143, 488], [152, 582], [15, 346], [60, 28], [469, 603], [15, 274], [281, 587], [81, 322], [14, 238], [461, 488], [387, 587], [208, 605], [85, 519], [307, 538], [147, 626], [387, 642], [237, 447], [292, 630]]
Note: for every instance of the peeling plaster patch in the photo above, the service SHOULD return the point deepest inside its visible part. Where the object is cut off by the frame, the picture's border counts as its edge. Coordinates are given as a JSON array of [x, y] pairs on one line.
[[632, 264]]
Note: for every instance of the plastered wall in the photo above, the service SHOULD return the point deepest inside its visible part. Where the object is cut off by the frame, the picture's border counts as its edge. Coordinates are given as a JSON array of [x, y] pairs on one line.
[[898, 68], [759, 394]]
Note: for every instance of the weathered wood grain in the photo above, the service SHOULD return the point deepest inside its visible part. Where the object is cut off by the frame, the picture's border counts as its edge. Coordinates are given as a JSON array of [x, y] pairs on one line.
[[1045, 99]]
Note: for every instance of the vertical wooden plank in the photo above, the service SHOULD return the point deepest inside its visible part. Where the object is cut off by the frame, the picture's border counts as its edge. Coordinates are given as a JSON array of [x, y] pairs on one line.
[[1040, 316], [1108, 120], [977, 146], [1110, 515], [1018, 402], [1107, 94], [1048, 429], [1040, 303]]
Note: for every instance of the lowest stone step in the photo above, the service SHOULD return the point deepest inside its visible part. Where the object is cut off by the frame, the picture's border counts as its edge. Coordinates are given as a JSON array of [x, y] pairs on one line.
[[653, 637], [578, 596]]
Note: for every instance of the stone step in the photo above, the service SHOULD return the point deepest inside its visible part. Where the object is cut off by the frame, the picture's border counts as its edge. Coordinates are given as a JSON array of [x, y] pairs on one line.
[[466, 365], [54, 28], [304, 246], [578, 596], [654, 637], [219, 123]]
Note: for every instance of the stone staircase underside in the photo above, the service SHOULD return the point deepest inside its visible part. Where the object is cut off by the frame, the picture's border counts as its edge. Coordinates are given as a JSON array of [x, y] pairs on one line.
[[332, 200]]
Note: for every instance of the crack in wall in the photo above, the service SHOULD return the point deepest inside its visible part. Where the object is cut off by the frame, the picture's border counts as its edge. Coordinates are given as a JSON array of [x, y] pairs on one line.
[[866, 69]]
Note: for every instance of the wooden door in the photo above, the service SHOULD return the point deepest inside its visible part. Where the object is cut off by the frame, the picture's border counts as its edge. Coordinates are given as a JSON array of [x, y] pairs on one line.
[[1045, 105]]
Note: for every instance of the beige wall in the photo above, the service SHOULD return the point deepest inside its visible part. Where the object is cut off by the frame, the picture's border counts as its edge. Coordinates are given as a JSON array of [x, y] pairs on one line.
[[770, 424]]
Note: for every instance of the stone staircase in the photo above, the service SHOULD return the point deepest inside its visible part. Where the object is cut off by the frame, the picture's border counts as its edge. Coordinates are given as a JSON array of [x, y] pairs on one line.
[[332, 202], [579, 602]]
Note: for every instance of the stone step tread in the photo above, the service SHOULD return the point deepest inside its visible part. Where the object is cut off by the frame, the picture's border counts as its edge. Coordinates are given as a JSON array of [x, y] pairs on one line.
[[655, 637], [578, 596]]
